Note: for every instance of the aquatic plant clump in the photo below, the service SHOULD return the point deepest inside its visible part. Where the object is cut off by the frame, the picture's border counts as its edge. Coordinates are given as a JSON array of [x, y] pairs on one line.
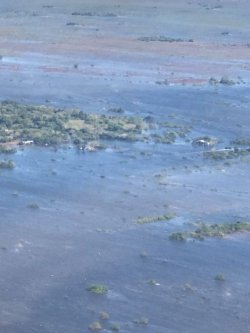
[[33, 206], [104, 315], [219, 277], [153, 282], [141, 321], [178, 236], [115, 327], [211, 230], [7, 150], [164, 39], [241, 142], [95, 326], [153, 219], [99, 289], [224, 154], [224, 80], [166, 137], [7, 164]]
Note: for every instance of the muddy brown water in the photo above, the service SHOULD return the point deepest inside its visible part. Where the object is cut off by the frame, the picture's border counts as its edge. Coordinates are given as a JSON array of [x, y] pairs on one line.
[[84, 231]]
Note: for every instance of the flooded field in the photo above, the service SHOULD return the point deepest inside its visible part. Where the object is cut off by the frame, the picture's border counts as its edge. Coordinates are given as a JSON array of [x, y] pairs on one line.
[[85, 235]]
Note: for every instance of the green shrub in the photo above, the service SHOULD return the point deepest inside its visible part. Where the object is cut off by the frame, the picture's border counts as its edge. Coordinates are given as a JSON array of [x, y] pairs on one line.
[[99, 289]]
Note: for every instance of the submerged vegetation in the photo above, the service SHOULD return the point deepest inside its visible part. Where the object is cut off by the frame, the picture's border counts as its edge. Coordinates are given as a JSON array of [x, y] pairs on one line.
[[7, 164], [219, 277], [241, 142], [211, 230]]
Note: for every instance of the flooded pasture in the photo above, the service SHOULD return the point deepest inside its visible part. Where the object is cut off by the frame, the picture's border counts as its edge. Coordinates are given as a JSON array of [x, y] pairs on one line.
[[69, 218]]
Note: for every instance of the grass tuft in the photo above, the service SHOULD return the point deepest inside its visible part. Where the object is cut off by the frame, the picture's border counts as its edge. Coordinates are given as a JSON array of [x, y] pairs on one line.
[[99, 289]]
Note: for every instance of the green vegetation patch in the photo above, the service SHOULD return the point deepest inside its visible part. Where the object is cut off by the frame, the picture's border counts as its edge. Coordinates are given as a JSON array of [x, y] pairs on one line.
[[211, 230], [94, 14], [178, 236], [171, 131], [224, 80], [166, 137], [164, 39], [153, 219], [45, 125], [99, 289], [225, 154]]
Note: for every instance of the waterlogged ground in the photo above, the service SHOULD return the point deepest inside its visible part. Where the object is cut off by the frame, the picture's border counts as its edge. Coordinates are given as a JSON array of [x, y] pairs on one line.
[[84, 230]]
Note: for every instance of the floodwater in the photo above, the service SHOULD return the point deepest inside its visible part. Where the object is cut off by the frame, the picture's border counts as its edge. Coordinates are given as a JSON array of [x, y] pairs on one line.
[[85, 229]]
